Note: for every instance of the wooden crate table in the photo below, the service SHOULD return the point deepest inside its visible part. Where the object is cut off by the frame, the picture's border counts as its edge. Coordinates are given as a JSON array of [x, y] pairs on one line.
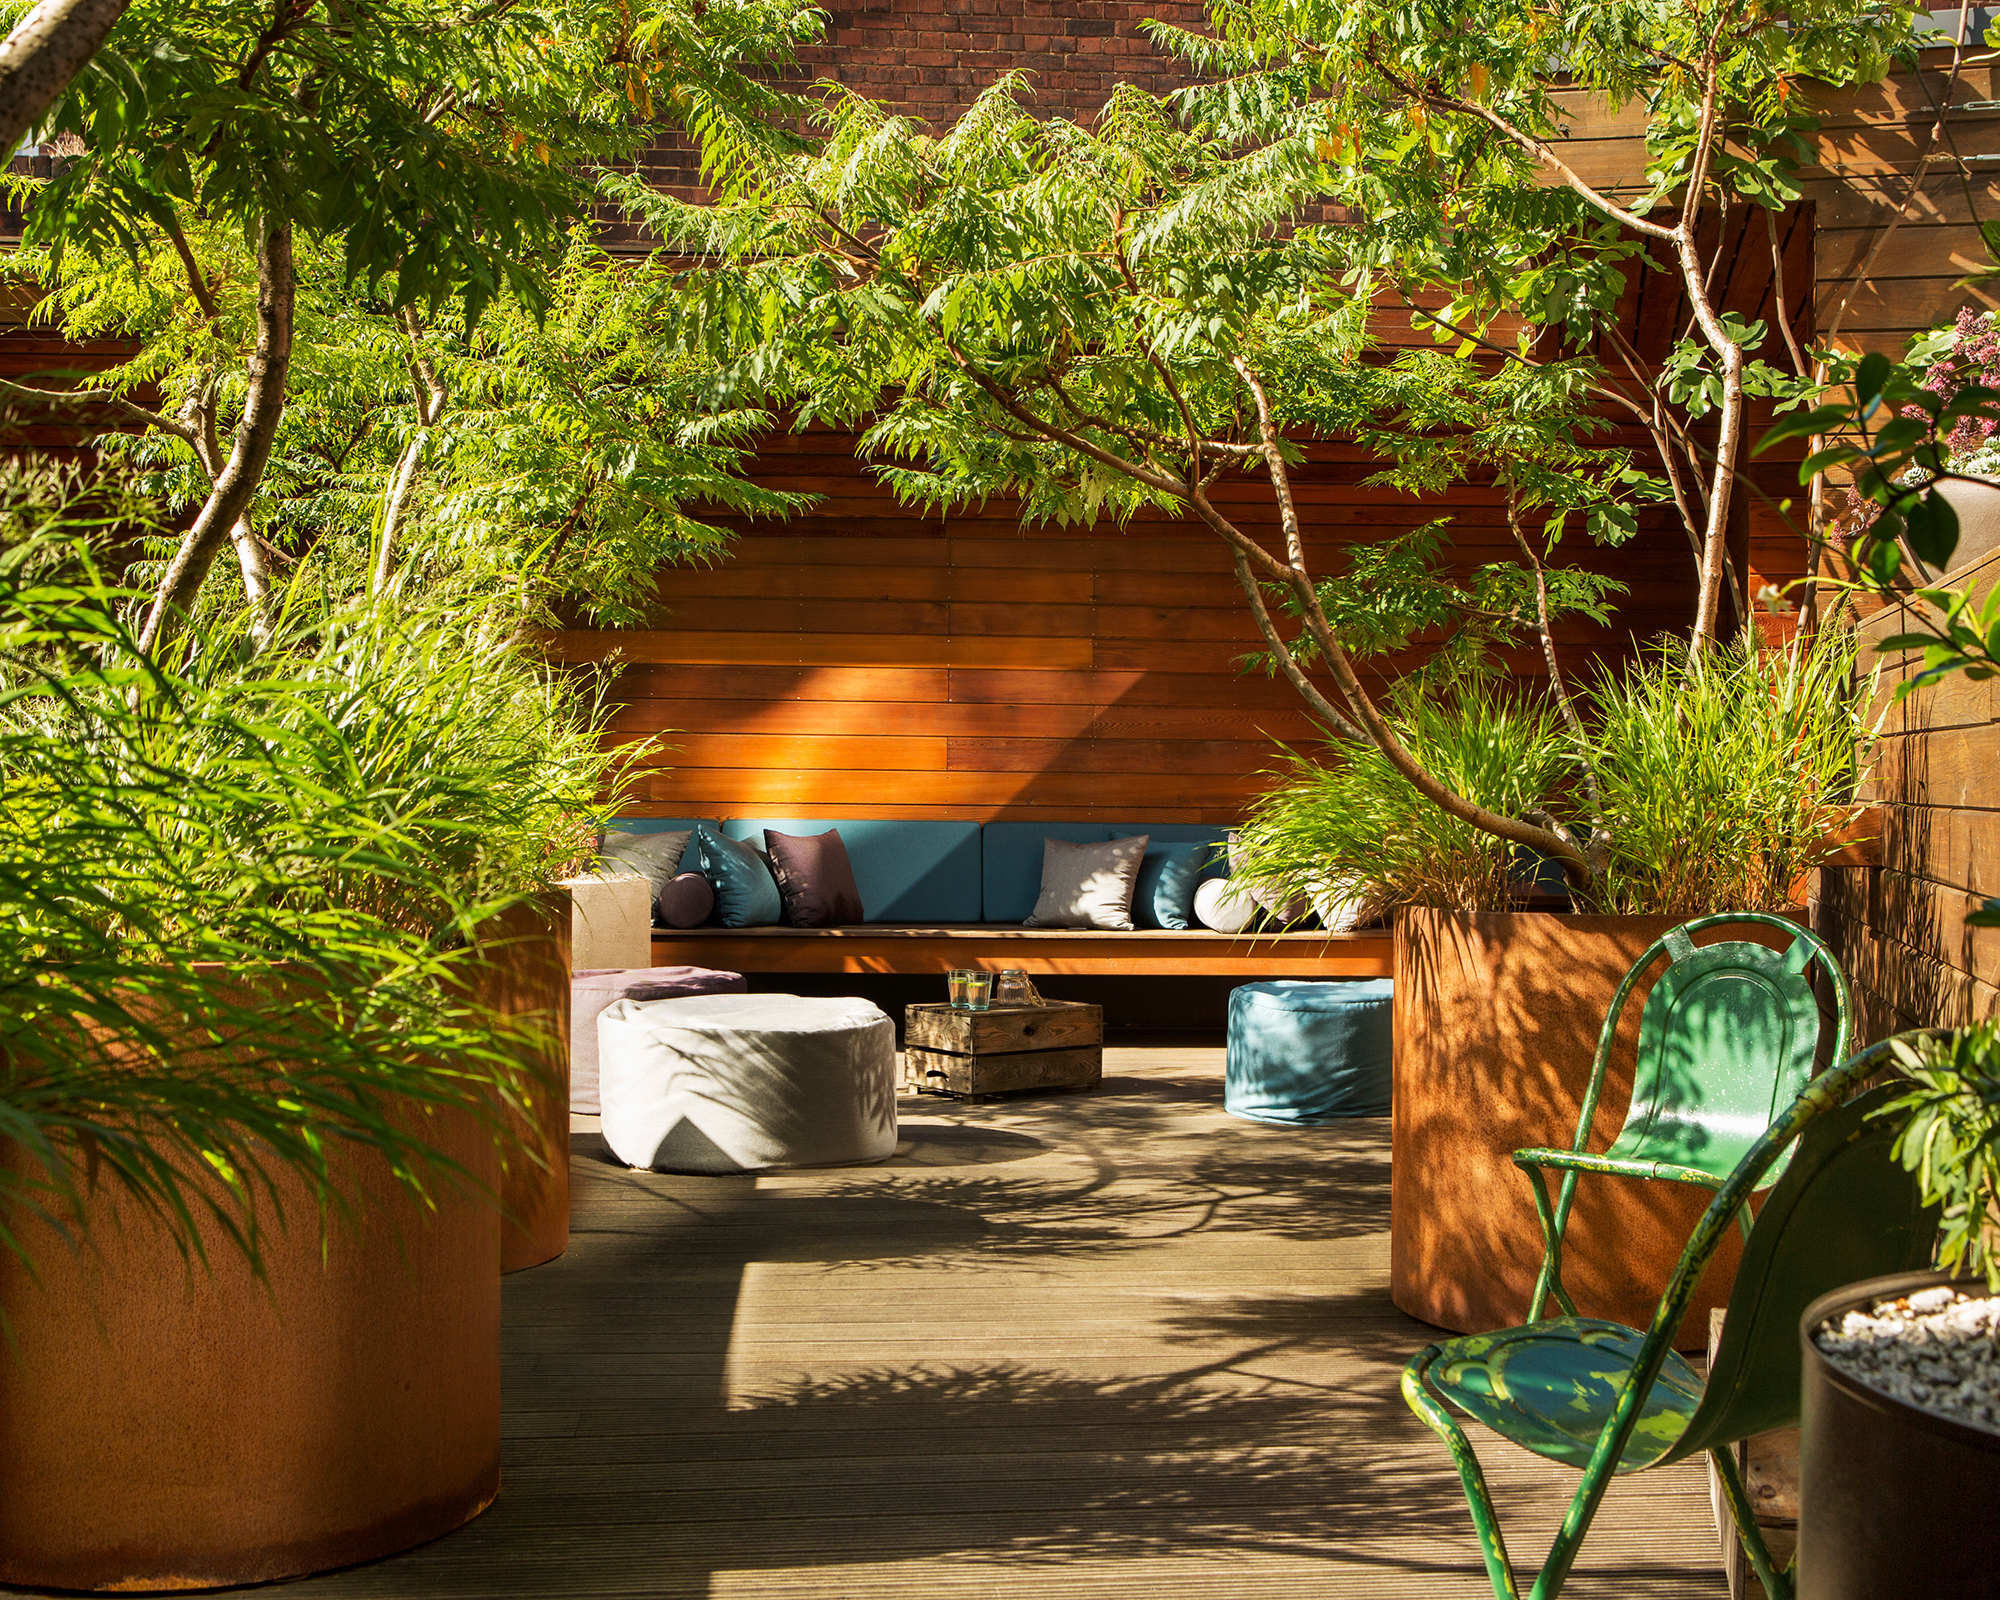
[[1056, 1045]]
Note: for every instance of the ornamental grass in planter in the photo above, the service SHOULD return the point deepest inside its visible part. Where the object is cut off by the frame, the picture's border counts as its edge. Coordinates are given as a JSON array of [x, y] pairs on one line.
[[255, 1095], [1702, 785]]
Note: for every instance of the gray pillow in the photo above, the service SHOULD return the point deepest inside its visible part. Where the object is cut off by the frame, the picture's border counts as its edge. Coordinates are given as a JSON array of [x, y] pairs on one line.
[[1088, 885], [658, 855], [1296, 910]]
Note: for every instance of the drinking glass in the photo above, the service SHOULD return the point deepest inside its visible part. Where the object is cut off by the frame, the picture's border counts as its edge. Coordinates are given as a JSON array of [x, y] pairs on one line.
[[978, 990], [956, 979]]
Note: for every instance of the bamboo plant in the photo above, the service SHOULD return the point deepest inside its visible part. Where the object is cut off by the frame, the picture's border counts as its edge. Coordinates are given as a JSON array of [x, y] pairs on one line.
[[243, 899]]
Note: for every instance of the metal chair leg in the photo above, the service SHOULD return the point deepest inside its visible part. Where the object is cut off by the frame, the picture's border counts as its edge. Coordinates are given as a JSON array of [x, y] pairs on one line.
[[1499, 1570], [1777, 1585], [1549, 1280]]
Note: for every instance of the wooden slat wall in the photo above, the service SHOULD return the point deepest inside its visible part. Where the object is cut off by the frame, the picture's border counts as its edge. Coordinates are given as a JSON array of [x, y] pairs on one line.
[[1900, 928], [37, 355], [868, 661], [1870, 144]]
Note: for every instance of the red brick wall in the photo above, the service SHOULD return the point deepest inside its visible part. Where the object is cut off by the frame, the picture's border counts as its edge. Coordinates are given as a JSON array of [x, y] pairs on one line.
[[929, 59]]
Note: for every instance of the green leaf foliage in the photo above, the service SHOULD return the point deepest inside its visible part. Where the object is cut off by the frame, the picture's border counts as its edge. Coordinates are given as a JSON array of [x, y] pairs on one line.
[[1893, 425], [1722, 775], [1346, 825], [246, 901], [1950, 1137], [444, 147]]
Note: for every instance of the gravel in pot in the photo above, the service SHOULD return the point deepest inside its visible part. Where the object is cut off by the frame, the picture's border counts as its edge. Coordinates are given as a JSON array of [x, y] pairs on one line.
[[1938, 1349], [1899, 1436]]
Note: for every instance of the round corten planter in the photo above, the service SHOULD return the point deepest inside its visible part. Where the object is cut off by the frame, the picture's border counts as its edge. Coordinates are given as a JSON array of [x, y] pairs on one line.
[[166, 1426], [1893, 1499], [1497, 1018], [528, 972]]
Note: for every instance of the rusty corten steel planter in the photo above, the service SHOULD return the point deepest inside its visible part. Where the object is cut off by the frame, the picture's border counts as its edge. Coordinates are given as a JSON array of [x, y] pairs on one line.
[[530, 973], [162, 1427], [1497, 1017]]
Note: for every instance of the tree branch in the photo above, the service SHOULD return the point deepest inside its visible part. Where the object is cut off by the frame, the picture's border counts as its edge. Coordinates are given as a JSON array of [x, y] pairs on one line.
[[197, 285], [1547, 637], [1293, 672], [263, 407], [1799, 363], [1377, 729], [81, 399], [1528, 143], [48, 48], [431, 395]]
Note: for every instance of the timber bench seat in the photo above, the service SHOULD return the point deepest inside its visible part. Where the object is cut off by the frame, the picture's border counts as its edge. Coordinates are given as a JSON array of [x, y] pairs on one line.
[[915, 948]]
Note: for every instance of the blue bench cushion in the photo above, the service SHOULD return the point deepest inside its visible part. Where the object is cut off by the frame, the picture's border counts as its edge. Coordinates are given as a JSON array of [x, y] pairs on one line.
[[746, 895], [662, 825], [1167, 878], [906, 871], [1013, 852]]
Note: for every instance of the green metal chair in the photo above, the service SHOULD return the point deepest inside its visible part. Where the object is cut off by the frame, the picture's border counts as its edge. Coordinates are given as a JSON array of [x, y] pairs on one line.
[[1612, 1400], [1727, 1040]]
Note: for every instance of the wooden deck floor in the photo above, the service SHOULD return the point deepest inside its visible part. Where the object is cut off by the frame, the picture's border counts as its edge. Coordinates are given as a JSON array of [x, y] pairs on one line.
[[1101, 1345]]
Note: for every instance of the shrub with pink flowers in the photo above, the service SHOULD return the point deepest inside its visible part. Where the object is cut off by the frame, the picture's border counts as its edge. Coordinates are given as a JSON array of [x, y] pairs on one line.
[[1966, 353]]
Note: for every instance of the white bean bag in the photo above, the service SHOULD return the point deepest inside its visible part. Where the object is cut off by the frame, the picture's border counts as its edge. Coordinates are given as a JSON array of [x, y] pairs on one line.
[[591, 992], [737, 1082]]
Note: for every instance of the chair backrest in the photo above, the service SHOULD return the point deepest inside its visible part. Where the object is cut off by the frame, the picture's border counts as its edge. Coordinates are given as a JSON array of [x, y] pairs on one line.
[[1727, 1041], [1845, 1209]]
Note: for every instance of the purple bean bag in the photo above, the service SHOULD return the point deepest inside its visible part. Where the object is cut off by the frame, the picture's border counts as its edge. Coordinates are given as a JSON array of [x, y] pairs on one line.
[[591, 990]]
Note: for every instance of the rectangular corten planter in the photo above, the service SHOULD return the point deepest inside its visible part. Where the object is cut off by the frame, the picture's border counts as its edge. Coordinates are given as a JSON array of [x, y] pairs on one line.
[[1497, 1018], [1058, 1045]]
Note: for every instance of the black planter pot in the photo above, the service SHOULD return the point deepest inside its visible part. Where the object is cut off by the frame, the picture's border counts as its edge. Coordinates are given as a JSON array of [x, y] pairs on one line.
[[1892, 1500]]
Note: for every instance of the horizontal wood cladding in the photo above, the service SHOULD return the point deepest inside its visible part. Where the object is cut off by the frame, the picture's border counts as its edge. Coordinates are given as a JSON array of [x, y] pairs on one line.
[[710, 791], [1877, 158], [1900, 928], [866, 660]]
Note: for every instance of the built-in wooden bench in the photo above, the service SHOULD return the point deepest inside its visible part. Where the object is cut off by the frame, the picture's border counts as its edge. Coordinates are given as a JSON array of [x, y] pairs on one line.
[[920, 948]]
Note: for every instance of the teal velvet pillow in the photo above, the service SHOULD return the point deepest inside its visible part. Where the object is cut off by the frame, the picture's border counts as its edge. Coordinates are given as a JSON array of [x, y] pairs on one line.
[[746, 895], [1164, 895]]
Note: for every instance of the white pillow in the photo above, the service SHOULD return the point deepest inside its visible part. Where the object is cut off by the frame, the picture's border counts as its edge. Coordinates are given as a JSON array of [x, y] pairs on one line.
[[1222, 907], [1088, 885], [657, 855]]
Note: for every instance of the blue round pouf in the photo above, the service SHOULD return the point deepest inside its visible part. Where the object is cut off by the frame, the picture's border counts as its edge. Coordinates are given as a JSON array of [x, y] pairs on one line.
[[1303, 1052]]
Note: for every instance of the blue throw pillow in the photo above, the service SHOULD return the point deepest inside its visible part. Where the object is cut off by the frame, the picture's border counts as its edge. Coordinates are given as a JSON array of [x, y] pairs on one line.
[[746, 895], [1164, 895]]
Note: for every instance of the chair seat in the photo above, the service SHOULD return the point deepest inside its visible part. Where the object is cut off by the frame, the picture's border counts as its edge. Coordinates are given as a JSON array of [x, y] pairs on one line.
[[1550, 1388]]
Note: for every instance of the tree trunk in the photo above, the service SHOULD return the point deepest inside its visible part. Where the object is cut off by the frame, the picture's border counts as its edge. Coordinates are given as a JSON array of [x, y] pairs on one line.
[[48, 48], [263, 406]]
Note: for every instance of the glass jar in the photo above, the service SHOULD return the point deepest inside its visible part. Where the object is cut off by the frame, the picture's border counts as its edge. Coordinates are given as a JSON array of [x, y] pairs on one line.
[[1013, 988]]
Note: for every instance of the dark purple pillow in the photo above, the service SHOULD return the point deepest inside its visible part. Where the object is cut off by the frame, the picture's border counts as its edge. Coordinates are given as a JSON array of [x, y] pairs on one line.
[[815, 879], [684, 901]]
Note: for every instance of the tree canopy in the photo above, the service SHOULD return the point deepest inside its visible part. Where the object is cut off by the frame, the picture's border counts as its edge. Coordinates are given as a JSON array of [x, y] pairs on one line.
[[1098, 318], [430, 157]]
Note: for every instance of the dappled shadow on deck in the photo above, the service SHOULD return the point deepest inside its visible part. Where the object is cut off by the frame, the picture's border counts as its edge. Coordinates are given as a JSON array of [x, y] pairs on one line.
[[1109, 1344]]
